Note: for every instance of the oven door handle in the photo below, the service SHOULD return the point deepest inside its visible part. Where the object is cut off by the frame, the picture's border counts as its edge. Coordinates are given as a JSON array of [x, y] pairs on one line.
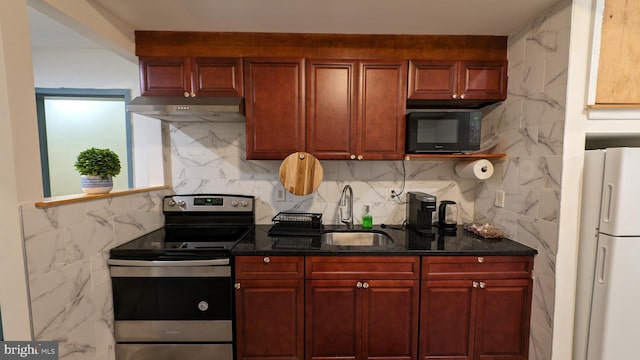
[[176, 263]]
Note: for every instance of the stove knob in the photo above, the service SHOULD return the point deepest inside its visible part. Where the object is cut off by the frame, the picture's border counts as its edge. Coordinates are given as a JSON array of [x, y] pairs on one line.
[[244, 203], [172, 203], [181, 203], [234, 203]]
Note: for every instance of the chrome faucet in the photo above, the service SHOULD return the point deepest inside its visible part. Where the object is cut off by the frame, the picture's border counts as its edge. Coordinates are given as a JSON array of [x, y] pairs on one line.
[[347, 195]]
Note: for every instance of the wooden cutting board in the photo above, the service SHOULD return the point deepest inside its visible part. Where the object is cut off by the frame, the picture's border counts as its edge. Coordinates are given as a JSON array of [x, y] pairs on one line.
[[301, 173]]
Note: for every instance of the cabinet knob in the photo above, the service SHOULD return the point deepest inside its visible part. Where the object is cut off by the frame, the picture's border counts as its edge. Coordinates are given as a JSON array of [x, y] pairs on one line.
[[193, 94], [480, 259], [237, 286], [482, 285], [266, 260], [186, 94], [365, 285], [475, 284], [353, 157], [455, 96], [359, 285], [359, 157], [462, 96]]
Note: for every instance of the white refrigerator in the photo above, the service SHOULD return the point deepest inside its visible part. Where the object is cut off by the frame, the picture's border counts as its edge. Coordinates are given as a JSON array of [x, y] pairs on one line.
[[607, 324]]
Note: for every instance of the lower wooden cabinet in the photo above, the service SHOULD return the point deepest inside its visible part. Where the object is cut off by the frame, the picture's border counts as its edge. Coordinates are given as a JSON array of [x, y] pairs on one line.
[[361, 307], [269, 308], [383, 307], [468, 312], [370, 319]]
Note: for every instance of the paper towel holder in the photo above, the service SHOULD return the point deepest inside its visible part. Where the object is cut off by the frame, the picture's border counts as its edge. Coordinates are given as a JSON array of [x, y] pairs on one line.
[[478, 169]]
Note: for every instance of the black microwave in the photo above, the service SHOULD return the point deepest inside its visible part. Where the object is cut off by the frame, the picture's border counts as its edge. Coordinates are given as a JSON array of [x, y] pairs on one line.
[[443, 131]]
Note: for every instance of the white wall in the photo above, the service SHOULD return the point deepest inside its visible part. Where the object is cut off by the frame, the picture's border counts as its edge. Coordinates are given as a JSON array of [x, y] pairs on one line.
[[19, 161]]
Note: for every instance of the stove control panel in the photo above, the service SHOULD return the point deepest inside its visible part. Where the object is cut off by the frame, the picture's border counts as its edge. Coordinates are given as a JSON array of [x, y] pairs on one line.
[[209, 203]]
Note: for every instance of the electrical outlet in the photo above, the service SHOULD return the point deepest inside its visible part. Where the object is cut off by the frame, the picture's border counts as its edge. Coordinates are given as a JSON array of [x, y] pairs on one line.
[[391, 194], [499, 200], [281, 194]]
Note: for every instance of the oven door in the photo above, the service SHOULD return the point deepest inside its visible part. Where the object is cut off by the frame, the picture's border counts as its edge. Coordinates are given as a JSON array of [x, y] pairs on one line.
[[172, 301]]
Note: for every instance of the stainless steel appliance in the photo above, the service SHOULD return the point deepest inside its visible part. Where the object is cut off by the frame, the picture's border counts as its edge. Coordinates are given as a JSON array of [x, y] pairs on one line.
[[173, 288], [443, 131], [420, 209], [197, 109]]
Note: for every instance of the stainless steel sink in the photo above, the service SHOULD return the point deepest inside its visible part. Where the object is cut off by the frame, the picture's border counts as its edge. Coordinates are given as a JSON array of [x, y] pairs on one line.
[[356, 238]]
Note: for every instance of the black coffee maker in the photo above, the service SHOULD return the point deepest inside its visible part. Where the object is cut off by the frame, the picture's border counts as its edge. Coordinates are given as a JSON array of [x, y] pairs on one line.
[[420, 209]]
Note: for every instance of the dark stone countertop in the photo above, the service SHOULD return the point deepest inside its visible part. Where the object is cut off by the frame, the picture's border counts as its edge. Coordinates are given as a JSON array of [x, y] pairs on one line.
[[405, 242]]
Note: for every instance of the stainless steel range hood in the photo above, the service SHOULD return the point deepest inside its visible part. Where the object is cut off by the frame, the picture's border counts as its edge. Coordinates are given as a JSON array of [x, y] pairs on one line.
[[200, 109]]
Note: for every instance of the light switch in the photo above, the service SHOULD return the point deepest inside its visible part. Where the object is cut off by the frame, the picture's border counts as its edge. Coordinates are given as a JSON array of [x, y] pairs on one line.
[[499, 201]]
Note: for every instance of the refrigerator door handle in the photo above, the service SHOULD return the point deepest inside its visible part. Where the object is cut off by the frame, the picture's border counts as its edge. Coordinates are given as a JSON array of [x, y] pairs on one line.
[[602, 262], [606, 204]]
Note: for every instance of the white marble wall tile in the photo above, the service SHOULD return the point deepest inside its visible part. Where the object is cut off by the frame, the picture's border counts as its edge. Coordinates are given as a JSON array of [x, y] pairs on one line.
[[108, 207], [521, 199], [41, 220], [540, 341], [105, 341], [549, 205], [544, 285], [99, 269], [67, 248], [49, 296], [78, 344], [45, 251], [520, 142]]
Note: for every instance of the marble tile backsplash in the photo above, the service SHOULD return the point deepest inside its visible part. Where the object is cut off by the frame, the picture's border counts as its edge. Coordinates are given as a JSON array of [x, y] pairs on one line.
[[210, 158], [531, 127], [67, 248]]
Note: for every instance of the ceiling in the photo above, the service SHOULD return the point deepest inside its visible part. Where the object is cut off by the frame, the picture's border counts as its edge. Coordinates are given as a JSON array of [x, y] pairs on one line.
[[436, 17]]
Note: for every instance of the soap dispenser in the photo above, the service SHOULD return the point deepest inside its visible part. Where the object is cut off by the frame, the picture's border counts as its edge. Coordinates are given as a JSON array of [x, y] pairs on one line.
[[367, 218]]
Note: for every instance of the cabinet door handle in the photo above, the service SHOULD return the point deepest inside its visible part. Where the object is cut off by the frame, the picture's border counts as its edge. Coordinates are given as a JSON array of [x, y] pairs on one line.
[[359, 285], [193, 94], [455, 96], [359, 157], [353, 157], [186, 94], [462, 96], [475, 284], [237, 286], [266, 260], [365, 285], [482, 285], [480, 259]]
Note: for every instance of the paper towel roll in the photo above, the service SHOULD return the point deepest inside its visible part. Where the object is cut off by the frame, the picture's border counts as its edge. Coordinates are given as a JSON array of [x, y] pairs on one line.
[[481, 169]]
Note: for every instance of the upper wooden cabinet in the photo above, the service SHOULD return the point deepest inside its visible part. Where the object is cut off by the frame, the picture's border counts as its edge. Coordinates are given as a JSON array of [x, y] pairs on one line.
[[355, 109], [457, 80], [190, 76], [274, 107]]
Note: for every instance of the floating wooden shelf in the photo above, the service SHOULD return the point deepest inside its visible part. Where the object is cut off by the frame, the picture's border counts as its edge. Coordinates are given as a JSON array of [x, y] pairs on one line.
[[454, 156]]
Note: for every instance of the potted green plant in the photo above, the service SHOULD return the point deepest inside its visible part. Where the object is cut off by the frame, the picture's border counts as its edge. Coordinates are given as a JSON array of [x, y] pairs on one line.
[[97, 167]]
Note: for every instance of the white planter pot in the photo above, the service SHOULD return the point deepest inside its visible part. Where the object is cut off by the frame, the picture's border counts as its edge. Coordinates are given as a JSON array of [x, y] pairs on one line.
[[96, 184]]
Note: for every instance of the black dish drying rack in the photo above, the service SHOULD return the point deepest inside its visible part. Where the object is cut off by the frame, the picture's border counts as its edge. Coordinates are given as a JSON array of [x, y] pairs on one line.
[[296, 224]]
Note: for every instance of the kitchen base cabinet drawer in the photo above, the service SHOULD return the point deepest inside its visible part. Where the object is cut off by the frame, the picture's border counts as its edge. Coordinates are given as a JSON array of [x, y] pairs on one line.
[[269, 267], [365, 267], [476, 267]]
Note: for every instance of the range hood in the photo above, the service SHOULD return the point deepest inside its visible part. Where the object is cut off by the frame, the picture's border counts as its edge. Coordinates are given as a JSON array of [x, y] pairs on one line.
[[196, 109]]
